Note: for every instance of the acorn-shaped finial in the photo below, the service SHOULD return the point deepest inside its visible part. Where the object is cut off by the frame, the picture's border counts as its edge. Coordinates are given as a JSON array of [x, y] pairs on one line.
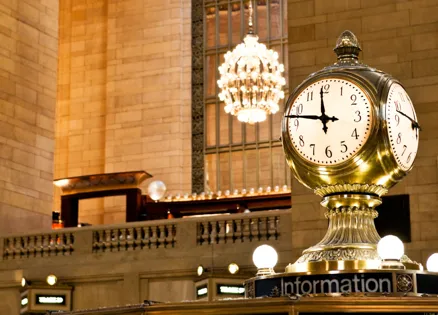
[[347, 46]]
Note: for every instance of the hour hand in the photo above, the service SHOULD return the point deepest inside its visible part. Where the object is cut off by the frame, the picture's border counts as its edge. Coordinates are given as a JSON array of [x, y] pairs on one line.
[[314, 117], [414, 123]]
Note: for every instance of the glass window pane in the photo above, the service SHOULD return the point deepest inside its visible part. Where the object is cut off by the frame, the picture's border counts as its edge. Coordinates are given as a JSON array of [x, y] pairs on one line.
[[237, 167], [210, 21], [223, 24], [262, 20], [210, 124], [210, 172], [211, 75], [224, 134], [224, 171], [235, 23], [237, 130], [275, 19], [265, 167], [251, 168]]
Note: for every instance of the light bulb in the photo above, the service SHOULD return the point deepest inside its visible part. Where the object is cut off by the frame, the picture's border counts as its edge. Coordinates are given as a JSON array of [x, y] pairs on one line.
[[156, 190], [432, 263], [265, 257], [390, 247], [233, 268], [200, 270], [51, 279]]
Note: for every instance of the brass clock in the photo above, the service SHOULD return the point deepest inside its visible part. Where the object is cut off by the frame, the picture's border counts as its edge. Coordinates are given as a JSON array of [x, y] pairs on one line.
[[349, 127], [350, 133]]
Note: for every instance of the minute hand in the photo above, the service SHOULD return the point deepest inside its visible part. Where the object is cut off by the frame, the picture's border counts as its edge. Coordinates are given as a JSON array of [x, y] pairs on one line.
[[414, 123], [314, 117]]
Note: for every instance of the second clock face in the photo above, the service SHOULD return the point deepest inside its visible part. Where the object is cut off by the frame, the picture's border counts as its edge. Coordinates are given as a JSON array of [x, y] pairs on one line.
[[402, 125], [329, 121]]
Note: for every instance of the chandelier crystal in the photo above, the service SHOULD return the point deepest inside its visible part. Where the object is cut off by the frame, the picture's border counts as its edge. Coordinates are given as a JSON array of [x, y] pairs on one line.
[[251, 79]]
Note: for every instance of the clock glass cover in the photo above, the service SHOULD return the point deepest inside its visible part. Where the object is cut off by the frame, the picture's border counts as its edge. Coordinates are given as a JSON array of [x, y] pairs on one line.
[[329, 121], [402, 126]]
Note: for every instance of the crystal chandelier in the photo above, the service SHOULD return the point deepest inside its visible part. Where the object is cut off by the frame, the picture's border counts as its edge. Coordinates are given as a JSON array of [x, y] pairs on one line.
[[251, 79]]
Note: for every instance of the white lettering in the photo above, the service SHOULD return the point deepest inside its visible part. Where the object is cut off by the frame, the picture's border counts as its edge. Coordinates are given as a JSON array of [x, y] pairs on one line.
[[356, 280], [329, 283], [202, 291], [50, 299], [345, 285], [297, 283], [291, 285], [231, 290], [367, 285], [388, 285], [306, 282]]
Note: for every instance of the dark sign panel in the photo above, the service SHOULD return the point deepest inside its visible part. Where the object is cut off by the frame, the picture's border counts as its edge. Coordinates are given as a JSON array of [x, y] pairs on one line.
[[230, 289], [49, 299], [427, 283], [330, 283], [201, 291]]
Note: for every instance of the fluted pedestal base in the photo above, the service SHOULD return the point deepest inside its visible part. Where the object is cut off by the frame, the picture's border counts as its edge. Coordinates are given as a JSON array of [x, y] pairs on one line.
[[351, 239]]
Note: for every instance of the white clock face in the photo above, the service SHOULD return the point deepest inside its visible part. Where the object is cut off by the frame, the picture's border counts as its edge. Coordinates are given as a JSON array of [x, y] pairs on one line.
[[329, 121], [402, 125]]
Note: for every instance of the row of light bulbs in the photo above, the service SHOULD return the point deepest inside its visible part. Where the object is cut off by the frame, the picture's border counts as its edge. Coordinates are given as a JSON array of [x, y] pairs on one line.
[[228, 194], [50, 280], [390, 249]]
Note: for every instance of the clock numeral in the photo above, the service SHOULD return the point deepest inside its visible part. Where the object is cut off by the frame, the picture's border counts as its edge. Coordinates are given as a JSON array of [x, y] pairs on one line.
[[341, 89], [310, 96], [402, 97], [359, 117], [296, 123], [354, 134], [301, 141], [299, 109], [397, 105], [313, 147], [326, 88], [404, 149], [353, 98], [409, 157], [328, 152], [399, 138], [343, 145], [397, 119]]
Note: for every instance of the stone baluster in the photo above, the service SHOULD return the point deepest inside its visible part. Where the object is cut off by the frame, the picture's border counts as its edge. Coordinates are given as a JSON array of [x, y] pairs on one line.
[[263, 228], [222, 232], [205, 233], [213, 234], [272, 227], [25, 249], [122, 239], [237, 235], [130, 238], [246, 233], [39, 245], [138, 237], [154, 237]]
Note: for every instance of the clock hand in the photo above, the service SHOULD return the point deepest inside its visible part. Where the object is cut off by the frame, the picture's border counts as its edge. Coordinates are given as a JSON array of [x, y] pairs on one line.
[[414, 123], [322, 102]]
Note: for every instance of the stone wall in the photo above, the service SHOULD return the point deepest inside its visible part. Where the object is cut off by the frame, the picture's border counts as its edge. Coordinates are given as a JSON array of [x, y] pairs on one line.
[[125, 95], [399, 37], [28, 63]]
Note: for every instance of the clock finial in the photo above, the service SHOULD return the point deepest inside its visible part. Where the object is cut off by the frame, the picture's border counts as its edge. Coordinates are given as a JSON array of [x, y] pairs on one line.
[[347, 47]]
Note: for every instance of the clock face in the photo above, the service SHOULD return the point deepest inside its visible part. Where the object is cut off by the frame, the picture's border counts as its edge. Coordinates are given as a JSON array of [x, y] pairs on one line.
[[402, 125], [329, 121]]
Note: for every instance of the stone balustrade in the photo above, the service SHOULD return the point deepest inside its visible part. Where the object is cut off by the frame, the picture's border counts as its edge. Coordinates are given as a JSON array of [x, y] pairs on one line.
[[182, 234]]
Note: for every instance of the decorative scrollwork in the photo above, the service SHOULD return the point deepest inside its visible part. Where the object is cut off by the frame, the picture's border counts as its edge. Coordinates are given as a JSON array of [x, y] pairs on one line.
[[350, 188], [250, 292], [339, 254], [404, 283]]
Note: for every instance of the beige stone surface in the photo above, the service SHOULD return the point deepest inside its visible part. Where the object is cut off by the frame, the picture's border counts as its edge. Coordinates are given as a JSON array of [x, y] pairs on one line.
[[28, 71], [125, 95]]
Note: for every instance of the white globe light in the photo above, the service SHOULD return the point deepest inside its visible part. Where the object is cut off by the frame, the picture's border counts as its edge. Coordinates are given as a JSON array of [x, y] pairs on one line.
[[265, 256], [432, 263], [390, 247], [156, 190], [51, 280]]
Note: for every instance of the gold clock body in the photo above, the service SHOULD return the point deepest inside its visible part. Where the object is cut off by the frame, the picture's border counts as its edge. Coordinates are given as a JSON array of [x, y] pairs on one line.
[[373, 169], [351, 190]]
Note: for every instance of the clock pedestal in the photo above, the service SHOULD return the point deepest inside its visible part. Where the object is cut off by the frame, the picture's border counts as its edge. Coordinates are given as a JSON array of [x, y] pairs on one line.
[[351, 239]]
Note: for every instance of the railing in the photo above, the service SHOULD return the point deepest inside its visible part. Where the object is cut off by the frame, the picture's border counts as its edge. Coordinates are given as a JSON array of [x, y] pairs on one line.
[[218, 231], [38, 245], [133, 238], [190, 234]]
